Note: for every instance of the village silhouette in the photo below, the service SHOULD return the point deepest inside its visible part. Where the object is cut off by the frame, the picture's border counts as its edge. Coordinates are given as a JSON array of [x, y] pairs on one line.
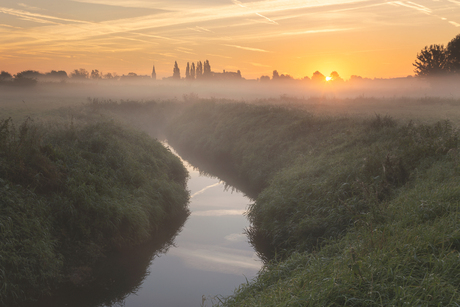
[[432, 61]]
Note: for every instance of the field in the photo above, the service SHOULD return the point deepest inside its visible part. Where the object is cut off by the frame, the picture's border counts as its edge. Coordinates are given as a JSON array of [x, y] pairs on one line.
[[356, 201], [73, 190]]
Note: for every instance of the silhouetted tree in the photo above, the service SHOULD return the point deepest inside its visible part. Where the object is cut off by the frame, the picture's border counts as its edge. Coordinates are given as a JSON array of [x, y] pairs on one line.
[[108, 76], [199, 70], [57, 75], [79, 74], [187, 71], [95, 74], [154, 74], [453, 53], [432, 61], [176, 71], [276, 75], [318, 77], [5, 76], [335, 77], [264, 78], [30, 74], [192, 71], [206, 69], [238, 73]]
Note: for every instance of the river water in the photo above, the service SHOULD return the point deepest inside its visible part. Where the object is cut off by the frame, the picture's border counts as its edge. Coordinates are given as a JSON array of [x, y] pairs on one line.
[[210, 256]]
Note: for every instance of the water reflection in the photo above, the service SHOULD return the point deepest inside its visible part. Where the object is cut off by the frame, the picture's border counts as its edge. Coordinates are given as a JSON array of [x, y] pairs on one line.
[[117, 276], [230, 179], [210, 257]]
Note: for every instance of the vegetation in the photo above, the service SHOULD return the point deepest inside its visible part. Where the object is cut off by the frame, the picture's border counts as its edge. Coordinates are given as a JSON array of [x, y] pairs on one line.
[[71, 193], [437, 60], [349, 211]]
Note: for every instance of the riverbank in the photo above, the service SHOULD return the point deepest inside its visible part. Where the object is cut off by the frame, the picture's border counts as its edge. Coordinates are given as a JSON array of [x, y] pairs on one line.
[[350, 211], [70, 193]]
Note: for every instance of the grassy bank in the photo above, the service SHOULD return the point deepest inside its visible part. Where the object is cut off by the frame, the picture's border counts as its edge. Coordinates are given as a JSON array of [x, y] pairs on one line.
[[71, 193], [349, 211]]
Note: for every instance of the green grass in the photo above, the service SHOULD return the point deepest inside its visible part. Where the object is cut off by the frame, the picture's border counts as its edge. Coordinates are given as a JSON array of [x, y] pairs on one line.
[[350, 211], [71, 193]]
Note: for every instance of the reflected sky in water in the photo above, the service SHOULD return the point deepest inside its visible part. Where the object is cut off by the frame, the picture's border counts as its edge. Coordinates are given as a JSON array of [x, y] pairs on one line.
[[211, 255]]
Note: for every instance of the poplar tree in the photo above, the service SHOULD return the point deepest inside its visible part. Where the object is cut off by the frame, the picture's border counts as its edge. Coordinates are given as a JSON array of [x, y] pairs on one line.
[[192, 71], [199, 70], [187, 71], [176, 71]]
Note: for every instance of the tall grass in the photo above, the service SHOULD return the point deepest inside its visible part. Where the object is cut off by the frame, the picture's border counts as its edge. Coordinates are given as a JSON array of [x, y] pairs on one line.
[[70, 193], [349, 212]]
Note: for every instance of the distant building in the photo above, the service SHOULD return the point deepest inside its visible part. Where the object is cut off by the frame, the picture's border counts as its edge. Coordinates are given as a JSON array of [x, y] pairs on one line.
[[154, 74], [226, 75]]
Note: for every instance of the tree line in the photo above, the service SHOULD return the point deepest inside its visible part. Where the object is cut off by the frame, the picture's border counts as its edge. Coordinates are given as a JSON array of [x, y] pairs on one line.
[[437, 60]]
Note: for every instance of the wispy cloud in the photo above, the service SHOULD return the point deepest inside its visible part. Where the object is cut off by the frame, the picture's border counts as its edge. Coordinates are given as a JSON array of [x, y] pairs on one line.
[[454, 23], [218, 212], [315, 31], [412, 5], [204, 189], [246, 48]]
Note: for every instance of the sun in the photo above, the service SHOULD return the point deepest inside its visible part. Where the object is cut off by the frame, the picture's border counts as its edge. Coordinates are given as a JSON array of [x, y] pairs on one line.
[[328, 78]]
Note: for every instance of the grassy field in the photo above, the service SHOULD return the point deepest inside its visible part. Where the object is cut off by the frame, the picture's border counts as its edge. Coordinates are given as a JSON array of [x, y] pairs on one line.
[[351, 210], [71, 192], [355, 200]]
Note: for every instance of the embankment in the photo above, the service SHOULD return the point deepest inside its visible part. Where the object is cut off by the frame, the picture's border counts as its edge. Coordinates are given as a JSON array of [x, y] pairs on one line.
[[69, 194], [349, 211]]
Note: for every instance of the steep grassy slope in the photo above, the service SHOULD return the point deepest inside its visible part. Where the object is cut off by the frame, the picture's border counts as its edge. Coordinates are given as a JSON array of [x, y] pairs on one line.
[[349, 211], [69, 194]]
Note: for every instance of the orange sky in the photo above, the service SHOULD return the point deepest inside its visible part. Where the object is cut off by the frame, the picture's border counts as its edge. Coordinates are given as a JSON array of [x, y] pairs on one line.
[[353, 37]]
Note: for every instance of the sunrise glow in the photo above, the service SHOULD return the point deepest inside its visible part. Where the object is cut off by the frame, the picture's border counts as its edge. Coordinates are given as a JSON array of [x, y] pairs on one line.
[[355, 37]]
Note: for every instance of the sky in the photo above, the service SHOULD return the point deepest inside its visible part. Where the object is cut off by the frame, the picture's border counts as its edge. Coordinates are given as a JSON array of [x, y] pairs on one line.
[[369, 38]]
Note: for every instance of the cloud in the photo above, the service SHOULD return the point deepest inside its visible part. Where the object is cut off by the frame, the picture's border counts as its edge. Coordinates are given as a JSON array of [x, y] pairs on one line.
[[218, 212], [247, 48], [454, 23], [412, 5], [315, 31], [206, 188], [272, 21]]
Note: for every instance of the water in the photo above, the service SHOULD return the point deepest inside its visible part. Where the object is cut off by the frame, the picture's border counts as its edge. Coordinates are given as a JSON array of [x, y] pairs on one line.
[[211, 255]]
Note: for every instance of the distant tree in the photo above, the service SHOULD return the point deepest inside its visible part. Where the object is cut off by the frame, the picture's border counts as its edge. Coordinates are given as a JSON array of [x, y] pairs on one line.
[[238, 72], [192, 71], [187, 71], [276, 75], [318, 77], [5, 76], [154, 74], [79, 74], [108, 76], [264, 78], [61, 75], [30, 74], [199, 70], [176, 71], [206, 69], [432, 61], [453, 53], [335, 77], [95, 74]]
